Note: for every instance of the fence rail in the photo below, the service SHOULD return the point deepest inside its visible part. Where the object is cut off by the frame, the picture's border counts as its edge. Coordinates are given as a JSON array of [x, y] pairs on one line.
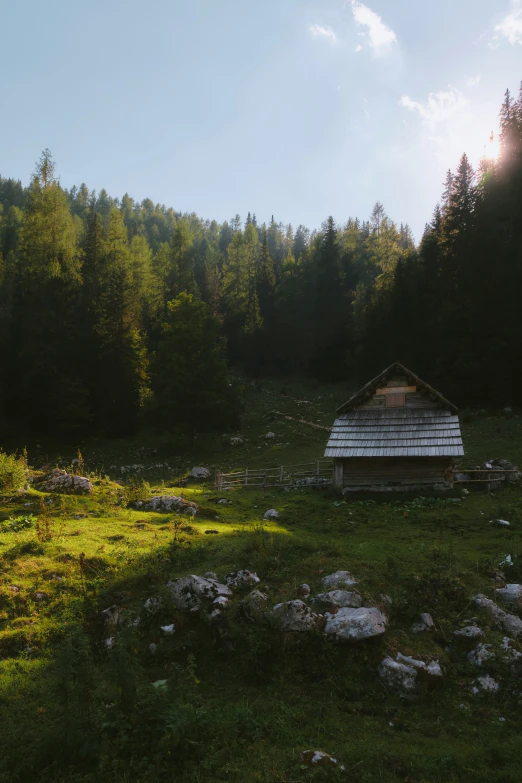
[[280, 476]]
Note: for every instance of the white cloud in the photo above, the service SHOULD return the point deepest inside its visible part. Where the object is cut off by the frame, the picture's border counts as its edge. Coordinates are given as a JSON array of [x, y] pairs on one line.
[[318, 30], [472, 81], [440, 106], [447, 124], [358, 48], [380, 36], [511, 26]]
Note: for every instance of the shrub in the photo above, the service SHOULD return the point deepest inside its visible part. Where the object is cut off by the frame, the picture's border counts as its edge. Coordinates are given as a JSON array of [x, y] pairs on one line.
[[13, 471]]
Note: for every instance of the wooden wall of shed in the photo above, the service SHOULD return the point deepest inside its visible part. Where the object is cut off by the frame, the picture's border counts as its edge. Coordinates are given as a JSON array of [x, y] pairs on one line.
[[416, 399], [396, 473]]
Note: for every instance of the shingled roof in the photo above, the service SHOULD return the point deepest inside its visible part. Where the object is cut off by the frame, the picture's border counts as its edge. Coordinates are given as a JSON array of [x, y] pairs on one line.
[[396, 432], [432, 431]]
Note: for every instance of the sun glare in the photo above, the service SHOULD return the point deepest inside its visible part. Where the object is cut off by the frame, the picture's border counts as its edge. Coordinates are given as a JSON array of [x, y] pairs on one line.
[[492, 148]]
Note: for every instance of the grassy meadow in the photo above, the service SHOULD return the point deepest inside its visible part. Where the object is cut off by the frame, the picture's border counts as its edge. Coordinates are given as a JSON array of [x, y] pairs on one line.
[[242, 705]]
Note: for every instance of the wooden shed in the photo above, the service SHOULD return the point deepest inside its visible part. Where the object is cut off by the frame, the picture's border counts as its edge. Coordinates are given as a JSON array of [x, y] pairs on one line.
[[397, 433]]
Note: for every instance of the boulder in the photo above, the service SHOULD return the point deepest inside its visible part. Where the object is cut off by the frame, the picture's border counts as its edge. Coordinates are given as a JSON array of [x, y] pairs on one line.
[[485, 684], [242, 578], [469, 632], [167, 504], [253, 605], [481, 653], [511, 594], [399, 677], [405, 674], [336, 599], [61, 481], [199, 473], [111, 616], [271, 514], [339, 579], [303, 591], [511, 653], [233, 440], [318, 758], [295, 616], [355, 624], [505, 464], [189, 592], [509, 622], [424, 623]]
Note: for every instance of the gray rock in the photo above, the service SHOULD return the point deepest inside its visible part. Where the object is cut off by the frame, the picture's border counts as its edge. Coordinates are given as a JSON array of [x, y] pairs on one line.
[[509, 622], [242, 578], [399, 677], [189, 592], [511, 594], [269, 436], [500, 522], [303, 591], [271, 514], [254, 605], [167, 503], [511, 654], [432, 668], [199, 473], [295, 616], [481, 653], [318, 758], [425, 623], [336, 599], [312, 481], [469, 632], [339, 579], [355, 624], [111, 616], [485, 684], [211, 575], [152, 605], [61, 481], [168, 630]]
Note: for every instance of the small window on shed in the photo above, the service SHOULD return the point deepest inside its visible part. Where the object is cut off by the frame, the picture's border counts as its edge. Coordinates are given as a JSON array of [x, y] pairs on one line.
[[395, 400]]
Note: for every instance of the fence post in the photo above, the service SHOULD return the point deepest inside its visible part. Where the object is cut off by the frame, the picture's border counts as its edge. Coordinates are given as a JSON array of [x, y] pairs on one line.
[[246, 477], [218, 479], [281, 474], [318, 468]]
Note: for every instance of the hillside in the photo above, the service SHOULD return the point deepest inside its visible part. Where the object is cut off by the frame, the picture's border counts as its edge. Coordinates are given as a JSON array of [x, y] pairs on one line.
[[237, 698]]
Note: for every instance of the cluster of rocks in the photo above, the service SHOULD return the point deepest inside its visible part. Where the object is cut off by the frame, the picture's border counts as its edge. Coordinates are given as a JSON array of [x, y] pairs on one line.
[[501, 470], [504, 653], [60, 481], [166, 504], [407, 676], [340, 612], [233, 440]]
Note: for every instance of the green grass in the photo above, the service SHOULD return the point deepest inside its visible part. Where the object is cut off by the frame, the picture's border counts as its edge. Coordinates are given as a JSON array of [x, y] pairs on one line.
[[243, 706]]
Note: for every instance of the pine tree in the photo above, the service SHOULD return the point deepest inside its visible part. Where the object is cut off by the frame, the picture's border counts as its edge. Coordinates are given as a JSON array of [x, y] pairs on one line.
[[191, 384]]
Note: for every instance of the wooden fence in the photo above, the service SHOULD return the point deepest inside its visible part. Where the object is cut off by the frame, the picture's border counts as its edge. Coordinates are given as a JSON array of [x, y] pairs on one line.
[[492, 478], [281, 476]]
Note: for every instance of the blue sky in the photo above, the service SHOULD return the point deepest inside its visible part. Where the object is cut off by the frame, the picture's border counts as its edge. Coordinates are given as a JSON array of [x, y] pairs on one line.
[[287, 107]]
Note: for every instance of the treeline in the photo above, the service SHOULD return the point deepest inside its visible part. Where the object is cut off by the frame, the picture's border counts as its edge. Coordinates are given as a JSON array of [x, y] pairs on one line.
[[114, 312]]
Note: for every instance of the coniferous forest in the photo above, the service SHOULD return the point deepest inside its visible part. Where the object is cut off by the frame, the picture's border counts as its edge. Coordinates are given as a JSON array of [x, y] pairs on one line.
[[116, 314]]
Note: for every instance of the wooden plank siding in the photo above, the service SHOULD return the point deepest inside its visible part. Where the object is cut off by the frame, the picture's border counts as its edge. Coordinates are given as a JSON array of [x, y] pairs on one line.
[[395, 474]]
